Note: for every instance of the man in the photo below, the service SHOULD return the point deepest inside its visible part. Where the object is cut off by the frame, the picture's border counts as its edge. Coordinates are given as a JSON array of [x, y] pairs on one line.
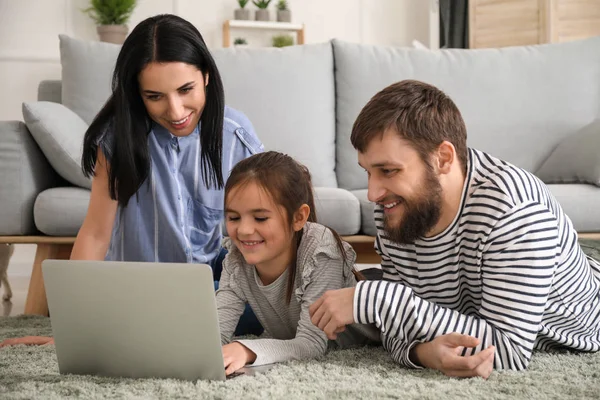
[[480, 264]]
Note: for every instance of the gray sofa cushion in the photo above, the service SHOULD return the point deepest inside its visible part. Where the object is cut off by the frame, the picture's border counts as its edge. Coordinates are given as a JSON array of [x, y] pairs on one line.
[[87, 68], [60, 211], [25, 173], [575, 159], [580, 203], [59, 133], [338, 209], [518, 103], [289, 96], [367, 226]]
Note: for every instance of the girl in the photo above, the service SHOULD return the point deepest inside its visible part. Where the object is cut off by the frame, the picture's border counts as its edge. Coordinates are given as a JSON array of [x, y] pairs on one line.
[[280, 261]]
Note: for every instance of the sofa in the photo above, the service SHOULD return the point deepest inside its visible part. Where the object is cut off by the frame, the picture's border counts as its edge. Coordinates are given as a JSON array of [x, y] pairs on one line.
[[537, 107]]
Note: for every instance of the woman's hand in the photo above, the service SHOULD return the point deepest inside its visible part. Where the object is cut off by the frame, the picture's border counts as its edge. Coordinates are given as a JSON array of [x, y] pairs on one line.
[[28, 340], [235, 356]]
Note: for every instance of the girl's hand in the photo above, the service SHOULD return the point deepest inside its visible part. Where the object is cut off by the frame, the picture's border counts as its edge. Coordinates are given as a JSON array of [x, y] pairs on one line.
[[28, 340], [235, 356]]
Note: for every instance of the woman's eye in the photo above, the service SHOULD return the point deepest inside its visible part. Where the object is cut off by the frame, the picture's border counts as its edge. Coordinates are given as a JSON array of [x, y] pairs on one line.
[[233, 218], [261, 219], [186, 90], [153, 97]]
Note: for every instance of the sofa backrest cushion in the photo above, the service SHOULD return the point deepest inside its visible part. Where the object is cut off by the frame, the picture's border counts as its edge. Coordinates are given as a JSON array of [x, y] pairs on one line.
[[288, 94], [87, 68], [518, 103]]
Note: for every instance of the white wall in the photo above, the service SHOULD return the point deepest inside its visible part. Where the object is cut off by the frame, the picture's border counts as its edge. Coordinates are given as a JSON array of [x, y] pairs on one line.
[[29, 31]]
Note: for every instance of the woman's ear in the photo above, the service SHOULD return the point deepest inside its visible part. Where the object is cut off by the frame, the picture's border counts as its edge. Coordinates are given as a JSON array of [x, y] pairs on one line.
[[300, 217], [206, 77]]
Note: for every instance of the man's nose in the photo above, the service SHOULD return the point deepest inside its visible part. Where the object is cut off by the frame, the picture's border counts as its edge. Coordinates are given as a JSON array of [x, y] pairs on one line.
[[375, 190]]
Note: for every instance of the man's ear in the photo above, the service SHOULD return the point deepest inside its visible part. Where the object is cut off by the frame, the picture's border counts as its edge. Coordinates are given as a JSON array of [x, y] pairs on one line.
[[300, 217], [445, 157]]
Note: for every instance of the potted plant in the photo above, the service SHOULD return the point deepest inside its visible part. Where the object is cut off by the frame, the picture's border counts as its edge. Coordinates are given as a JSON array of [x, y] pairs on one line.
[[242, 13], [240, 42], [262, 14], [283, 12], [283, 40], [111, 17]]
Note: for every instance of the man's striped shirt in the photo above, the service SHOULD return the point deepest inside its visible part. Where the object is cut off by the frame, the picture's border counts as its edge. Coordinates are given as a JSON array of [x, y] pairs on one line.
[[508, 270]]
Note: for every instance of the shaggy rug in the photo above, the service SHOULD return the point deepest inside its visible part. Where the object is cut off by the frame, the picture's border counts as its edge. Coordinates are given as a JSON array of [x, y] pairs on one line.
[[28, 372]]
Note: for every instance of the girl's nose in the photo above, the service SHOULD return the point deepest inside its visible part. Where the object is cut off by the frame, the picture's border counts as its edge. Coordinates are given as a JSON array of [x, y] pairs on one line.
[[246, 227]]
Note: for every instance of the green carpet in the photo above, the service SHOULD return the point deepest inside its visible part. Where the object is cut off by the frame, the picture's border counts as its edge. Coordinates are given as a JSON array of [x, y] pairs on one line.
[[366, 373]]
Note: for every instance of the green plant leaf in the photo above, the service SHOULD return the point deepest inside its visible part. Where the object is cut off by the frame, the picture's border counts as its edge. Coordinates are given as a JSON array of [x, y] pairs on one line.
[[282, 5], [110, 12], [282, 41], [262, 4]]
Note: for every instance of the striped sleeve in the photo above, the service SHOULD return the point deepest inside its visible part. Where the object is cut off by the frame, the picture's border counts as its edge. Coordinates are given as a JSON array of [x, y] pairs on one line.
[[517, 270]]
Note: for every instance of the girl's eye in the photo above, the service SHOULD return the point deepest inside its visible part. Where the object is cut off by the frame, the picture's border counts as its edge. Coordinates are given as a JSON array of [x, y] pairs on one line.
[[263, 219], [233, 218]]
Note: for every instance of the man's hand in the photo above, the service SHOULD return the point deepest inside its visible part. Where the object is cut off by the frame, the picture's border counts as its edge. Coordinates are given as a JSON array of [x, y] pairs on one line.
[[28, 340], [333, 311], [443, 354], [235, 356]]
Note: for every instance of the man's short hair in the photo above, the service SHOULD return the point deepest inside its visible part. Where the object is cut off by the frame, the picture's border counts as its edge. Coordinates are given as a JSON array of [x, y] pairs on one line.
[[419, 112]]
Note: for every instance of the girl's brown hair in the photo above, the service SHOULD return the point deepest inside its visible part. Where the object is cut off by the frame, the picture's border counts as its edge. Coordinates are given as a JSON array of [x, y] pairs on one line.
[[289, 184]]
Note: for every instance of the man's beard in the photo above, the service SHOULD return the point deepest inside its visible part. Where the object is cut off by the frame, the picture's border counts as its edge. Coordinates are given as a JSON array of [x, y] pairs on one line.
[[420, 214]]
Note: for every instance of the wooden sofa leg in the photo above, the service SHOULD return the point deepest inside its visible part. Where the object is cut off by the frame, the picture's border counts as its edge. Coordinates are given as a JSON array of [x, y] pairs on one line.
[[36, 303]]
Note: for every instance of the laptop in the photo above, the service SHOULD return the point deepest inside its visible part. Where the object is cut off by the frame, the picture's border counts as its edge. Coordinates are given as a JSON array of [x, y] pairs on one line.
[[135, 319]]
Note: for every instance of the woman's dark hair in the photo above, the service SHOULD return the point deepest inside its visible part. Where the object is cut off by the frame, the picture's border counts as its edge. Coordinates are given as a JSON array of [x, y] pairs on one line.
[[123, 124], [289, 184]]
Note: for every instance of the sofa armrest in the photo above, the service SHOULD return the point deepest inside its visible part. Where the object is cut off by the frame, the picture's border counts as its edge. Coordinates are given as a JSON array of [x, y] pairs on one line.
[[50, 90], [25, 173]]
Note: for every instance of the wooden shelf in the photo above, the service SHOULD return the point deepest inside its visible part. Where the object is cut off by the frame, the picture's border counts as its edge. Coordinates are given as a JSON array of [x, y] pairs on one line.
[[281, 26], [261, 25]]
